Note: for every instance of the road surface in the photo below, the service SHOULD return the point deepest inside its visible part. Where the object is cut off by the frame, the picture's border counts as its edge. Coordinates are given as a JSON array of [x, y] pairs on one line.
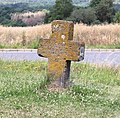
[[97, 56]]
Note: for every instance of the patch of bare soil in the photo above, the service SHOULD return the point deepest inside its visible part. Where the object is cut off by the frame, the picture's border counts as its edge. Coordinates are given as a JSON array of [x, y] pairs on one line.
[[55, 87]]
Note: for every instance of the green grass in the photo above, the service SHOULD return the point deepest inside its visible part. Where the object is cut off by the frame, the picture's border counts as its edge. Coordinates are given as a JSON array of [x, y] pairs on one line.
[[95, 92], [30, 45], [111, 46], [35, 42]]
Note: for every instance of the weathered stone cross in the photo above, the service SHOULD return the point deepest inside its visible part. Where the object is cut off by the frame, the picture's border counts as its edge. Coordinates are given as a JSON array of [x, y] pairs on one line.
[[60, 51]]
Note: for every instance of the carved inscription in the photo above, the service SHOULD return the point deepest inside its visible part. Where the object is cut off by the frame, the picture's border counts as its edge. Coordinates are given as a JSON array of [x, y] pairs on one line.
[[57, 27]]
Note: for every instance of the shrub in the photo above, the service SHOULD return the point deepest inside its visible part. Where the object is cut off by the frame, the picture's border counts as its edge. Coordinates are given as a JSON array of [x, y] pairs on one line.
[[117, 17], [83, 15]]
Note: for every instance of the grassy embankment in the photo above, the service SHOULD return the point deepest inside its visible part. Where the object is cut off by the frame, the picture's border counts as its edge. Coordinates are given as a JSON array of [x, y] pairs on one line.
[[94, 94], [97, 36]]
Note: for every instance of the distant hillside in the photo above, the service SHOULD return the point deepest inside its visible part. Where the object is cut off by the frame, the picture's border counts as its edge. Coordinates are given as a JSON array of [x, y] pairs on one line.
[[48, 2], [42, 2]]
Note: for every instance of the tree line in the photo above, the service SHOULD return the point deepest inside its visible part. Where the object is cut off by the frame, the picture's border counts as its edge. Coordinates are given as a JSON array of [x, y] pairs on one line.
[[99, 11], [6, 12]]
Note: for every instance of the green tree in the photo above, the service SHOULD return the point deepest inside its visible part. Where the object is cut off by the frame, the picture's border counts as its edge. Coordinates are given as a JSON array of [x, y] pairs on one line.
[[104, 11], [117, 17], [89, 16], [61, 10], [84, 15], [76, 16], [94, 3]]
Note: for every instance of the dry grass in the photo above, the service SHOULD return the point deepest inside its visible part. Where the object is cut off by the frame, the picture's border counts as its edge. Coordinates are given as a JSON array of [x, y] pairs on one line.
[[91, 35], [14, 35], [98, 34]]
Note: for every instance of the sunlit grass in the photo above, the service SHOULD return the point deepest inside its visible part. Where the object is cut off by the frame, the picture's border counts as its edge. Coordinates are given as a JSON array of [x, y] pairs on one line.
[[107, 46], [95, 92]]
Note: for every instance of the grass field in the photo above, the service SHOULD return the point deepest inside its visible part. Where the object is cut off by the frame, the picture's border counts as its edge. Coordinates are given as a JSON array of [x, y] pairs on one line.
[[95, 92], [96, 36]]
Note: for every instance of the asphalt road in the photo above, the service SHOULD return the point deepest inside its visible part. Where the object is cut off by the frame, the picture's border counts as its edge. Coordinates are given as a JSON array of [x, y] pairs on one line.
[[96, 56]]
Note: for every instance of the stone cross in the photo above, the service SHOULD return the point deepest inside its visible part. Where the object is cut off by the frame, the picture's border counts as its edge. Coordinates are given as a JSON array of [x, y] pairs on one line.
[[60, 51]]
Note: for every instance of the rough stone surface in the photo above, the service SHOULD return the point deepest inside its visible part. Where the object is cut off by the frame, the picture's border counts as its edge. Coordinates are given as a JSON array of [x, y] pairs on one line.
[[60, 51]]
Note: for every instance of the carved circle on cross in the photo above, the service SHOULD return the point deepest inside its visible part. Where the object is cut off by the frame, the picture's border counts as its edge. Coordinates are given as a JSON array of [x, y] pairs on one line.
[[63, 37]]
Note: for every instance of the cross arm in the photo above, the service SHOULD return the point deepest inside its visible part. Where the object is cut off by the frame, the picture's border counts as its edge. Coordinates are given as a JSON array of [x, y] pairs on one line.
[[43, 47], [74, 51]]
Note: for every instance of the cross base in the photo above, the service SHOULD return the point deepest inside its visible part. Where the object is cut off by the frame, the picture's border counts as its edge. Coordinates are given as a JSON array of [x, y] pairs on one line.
[[63, 80]]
